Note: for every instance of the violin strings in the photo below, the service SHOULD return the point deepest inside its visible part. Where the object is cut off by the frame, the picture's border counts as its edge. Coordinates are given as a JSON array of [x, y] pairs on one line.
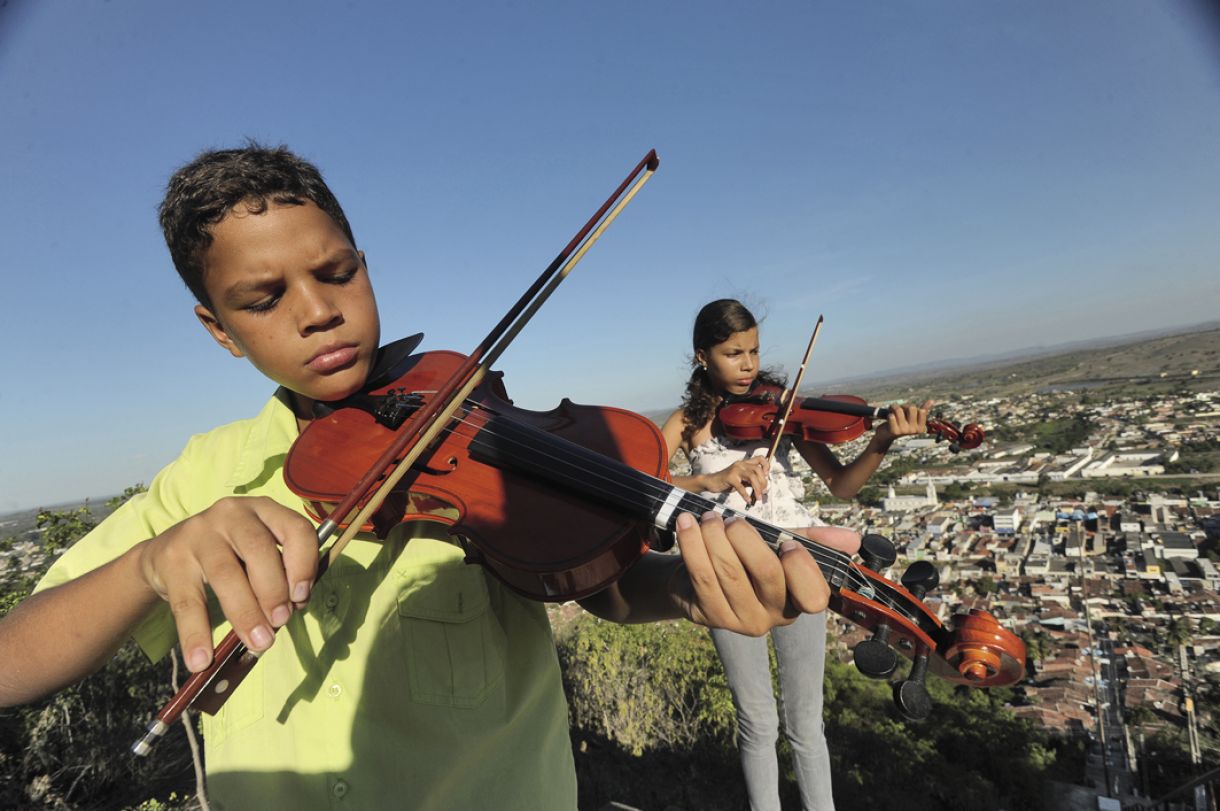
[[612, 473], [654, 489], [833, 562]]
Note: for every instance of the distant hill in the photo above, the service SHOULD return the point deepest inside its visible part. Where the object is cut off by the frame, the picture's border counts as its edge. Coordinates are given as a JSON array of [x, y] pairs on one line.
[[1129, 365]]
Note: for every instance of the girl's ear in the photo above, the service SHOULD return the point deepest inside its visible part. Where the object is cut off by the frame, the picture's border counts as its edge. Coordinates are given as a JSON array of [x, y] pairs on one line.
[[701, 358], [217, 330]]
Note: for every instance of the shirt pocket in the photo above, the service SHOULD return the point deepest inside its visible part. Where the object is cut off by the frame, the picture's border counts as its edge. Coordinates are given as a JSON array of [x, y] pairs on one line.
[[455, 646]]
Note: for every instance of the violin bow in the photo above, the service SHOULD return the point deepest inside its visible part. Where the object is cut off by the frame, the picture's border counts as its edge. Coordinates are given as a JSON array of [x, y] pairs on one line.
[[231, 660], [796, 386], [472, 372]]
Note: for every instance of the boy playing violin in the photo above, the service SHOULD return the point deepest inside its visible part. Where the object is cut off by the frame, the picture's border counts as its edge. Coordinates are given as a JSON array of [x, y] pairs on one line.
[[404, 677]]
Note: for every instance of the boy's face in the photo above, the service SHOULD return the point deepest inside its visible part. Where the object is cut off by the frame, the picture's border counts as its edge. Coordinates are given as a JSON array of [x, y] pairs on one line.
[[292, 294]]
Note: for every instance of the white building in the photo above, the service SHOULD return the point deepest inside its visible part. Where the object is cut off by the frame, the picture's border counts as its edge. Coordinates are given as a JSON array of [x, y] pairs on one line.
[[1006, 522], [896, 503]]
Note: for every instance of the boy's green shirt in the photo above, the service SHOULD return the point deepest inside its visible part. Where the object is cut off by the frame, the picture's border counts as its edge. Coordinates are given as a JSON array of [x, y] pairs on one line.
[[413, 680]]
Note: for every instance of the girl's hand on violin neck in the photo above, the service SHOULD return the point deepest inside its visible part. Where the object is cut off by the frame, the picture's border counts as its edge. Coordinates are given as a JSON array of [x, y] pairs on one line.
[[744, 476], [904, 420], [731, 579], [258, 557]]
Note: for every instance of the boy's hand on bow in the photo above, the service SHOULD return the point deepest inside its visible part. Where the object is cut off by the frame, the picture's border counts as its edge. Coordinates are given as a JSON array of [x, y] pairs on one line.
[[730, 578], [257, 556]]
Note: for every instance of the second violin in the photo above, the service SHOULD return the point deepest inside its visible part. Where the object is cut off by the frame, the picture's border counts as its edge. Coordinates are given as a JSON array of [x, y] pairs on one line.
[[829, 419]]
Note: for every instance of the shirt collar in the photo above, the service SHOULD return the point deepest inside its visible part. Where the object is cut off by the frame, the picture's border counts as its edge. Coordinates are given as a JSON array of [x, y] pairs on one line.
[[271, 434]]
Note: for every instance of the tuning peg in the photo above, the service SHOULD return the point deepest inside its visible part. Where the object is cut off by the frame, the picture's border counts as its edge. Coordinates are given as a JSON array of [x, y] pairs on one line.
[[878, 552], [874, 657], [920, 578], [911, 696]]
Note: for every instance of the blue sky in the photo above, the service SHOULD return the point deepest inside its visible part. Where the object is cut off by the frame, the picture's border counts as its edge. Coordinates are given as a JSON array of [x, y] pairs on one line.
[[939, 179]]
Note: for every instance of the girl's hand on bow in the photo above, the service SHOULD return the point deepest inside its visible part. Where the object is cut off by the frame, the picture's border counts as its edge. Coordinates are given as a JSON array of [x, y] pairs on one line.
[[746, 476]]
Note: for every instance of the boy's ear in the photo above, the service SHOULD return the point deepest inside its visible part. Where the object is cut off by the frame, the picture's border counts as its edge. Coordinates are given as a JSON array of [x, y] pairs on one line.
[[217, 330]]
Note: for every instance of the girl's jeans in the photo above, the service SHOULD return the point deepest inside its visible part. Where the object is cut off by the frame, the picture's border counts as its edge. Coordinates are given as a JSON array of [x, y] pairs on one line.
[[800, 649]]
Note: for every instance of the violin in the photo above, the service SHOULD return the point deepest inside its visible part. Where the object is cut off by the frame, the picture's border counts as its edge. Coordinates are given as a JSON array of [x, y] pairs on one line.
[[830, 419]]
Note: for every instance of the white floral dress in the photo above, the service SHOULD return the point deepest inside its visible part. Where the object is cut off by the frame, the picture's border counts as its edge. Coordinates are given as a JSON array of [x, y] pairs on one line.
[[781, 505]]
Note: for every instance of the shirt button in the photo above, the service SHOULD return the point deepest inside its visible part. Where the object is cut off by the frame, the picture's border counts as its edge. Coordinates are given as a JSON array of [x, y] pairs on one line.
[[335, 690], [340, 789], [332, 600]]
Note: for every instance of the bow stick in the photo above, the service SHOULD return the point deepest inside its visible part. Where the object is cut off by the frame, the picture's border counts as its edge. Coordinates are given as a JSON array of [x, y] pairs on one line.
[[210, 688], [791, 394]]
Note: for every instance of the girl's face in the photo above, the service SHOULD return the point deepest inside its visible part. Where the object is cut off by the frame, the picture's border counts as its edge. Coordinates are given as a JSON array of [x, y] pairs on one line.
[[733, 364]]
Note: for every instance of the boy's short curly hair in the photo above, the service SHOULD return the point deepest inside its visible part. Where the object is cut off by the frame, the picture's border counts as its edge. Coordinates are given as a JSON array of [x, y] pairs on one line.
[[201, 193]]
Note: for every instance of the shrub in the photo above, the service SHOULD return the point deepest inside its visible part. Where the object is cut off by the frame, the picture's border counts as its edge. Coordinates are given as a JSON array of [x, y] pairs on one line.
[[70, 750], [646, 687]]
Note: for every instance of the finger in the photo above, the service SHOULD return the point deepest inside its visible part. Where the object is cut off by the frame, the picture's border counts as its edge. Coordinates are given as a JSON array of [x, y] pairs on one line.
[[899, 418], [758, 477], [840, 538], [756, 489], [298, 542], [227, 577], [707, 602], [188, 602], [760, 602], [256, 546], [749, 594], [905, 420], [807, 589]]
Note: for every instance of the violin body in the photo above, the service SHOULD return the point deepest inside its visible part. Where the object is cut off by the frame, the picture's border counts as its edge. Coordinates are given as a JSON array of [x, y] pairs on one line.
[[830, 419], [481, 480]]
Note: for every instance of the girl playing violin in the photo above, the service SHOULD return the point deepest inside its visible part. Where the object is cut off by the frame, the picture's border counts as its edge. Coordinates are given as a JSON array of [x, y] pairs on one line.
[[739, 474]]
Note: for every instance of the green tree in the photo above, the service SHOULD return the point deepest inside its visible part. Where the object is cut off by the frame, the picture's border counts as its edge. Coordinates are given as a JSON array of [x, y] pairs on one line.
[[985, 586], [1179, 632]]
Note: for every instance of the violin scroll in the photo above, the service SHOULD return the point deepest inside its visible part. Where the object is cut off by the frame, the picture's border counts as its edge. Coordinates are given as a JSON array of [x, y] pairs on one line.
[[982, 652], [972, 649], [960, 438]]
